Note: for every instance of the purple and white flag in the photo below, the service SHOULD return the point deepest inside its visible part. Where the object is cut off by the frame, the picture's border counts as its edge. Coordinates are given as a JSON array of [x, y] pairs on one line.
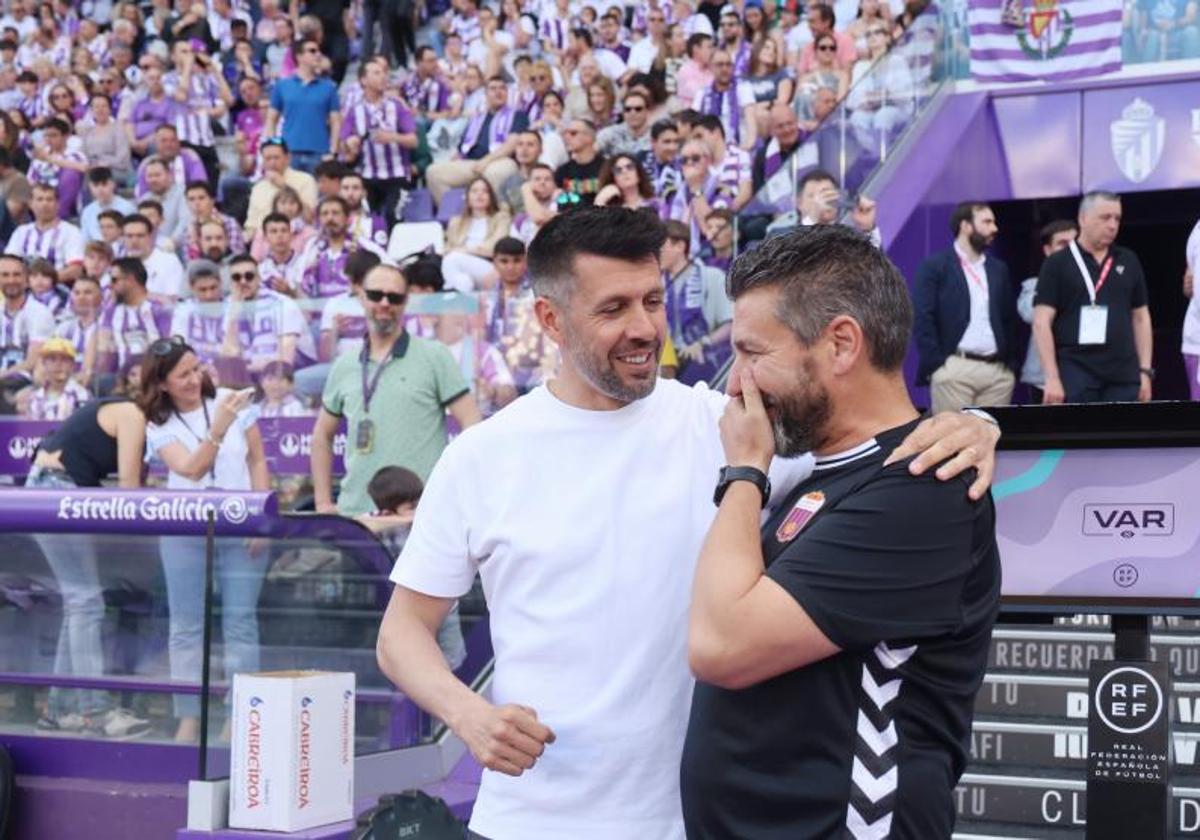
[[1044, 40]]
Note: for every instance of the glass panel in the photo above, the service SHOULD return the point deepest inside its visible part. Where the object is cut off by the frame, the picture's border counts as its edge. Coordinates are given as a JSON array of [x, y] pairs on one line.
[[102, 635]]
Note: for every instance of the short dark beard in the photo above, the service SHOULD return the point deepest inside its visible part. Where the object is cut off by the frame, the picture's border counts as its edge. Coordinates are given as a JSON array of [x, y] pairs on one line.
[[978, 241], [601, 374], [801, 418]]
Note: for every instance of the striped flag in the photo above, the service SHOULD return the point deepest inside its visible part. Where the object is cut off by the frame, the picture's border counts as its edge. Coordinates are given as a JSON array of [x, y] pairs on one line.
[[1051, 40]]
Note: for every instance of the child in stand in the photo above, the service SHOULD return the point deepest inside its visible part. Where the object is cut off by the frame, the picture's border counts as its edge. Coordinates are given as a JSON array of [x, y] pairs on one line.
[[278, 394], [395, 492], [43, 285], [59, 395]]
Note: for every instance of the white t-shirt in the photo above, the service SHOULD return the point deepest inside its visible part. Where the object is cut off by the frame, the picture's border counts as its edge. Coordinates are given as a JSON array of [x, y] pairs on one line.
[[354, 325], [32, 324], [585, 527], [164, 274], [230, 471], [1191, 321]]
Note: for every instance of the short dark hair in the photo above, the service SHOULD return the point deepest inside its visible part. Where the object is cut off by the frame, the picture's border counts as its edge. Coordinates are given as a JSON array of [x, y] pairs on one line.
[[116, 215], [131, 267], [359, 263], [964, 212], [711, 122], [276, 218], [330, 169], [662, 127], [509, 246], [151, 204], [815, 175], [824, 271], [99, 175], [56, 124], [1053, 229], [824, 12], [199, 185], [425, 272], [238, 259], [688, 116], [422, 50], [137, 218], [614, 232], [334, 199], [694, 41], [584, 34], [392, 487]]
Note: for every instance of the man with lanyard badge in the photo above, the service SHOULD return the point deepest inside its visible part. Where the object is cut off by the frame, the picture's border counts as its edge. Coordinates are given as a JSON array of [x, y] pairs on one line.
[[1091, 319], [411, 381]]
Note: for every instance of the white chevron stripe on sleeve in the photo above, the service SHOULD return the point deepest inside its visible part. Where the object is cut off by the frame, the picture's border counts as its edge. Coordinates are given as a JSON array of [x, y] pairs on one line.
[[873, 788], [879, 742], [892, 658], [862, 830], [881, 695]]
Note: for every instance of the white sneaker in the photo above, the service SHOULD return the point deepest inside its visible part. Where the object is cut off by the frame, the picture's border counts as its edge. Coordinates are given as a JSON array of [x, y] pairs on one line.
[[121, 723]]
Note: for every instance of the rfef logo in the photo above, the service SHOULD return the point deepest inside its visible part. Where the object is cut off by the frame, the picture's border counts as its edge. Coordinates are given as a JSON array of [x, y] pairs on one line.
[[1129, 520], [1129, 700]]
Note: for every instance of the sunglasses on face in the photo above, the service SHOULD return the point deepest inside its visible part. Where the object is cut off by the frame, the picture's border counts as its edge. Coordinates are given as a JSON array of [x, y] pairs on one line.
[[378, 296], [313, 50], [687, 160], [622, 168], [165, 346], [636, 109], [827, 48], [242, 277]]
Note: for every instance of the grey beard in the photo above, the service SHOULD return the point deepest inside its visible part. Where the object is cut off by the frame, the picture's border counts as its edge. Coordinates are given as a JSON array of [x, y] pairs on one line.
[[384, 328]]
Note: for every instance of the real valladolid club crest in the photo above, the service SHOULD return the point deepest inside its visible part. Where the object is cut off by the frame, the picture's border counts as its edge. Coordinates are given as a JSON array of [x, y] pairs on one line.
[[1137, 140], [1044, 32]]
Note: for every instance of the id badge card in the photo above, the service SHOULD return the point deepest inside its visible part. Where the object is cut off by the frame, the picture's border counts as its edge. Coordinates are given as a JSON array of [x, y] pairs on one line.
[[1093, 325], [364, 436]]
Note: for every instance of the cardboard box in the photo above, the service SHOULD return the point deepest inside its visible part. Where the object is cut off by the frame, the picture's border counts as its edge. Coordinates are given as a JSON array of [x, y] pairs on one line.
[[292, 753]]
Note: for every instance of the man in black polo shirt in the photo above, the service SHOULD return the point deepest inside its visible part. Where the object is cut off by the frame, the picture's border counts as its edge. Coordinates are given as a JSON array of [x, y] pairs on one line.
[[837, 653], [1091, 319]]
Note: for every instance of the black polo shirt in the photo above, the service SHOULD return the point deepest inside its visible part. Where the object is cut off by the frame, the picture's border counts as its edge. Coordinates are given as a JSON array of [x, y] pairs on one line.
[[1061, 285], [903, 574]]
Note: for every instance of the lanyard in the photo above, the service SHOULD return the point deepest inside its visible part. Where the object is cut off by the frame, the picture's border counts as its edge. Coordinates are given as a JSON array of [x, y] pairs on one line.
[[973, 275], [369, 387], [1093, 288], [212, 470]]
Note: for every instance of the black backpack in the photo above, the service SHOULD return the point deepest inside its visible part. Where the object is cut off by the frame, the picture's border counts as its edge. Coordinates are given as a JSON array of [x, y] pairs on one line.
[[413, 814]]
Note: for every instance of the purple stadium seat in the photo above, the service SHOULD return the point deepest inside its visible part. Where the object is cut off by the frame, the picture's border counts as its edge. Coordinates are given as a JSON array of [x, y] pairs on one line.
[[419, 207], [452, 204]]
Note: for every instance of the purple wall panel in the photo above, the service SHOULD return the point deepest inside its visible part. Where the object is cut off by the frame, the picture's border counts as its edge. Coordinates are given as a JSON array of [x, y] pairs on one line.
[[1143, 137], [1040, 140]]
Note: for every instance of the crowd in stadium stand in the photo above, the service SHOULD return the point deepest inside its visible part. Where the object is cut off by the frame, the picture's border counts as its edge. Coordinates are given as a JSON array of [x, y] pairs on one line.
[[144, 146]]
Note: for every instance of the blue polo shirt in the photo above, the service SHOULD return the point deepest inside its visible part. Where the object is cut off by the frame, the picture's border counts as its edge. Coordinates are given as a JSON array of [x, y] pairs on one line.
[[305, 107]]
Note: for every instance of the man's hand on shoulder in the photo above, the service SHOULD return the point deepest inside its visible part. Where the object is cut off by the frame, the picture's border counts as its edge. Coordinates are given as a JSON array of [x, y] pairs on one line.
[[508, 739], [961, 440]]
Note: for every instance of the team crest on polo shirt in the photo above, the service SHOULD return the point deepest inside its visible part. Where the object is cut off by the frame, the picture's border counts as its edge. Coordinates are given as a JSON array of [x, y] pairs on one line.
[[801, 513]]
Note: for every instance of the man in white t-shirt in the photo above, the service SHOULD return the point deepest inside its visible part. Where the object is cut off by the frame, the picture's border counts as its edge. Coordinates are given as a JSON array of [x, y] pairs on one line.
[[1191, 321], [165, 278], [587, 570]]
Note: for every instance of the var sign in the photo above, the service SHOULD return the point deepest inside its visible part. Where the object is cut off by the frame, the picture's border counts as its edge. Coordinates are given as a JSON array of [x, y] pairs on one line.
[[1129, 520]]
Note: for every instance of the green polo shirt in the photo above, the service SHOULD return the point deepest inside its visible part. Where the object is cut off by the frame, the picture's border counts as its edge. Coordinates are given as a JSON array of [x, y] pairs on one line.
[[408, 409]]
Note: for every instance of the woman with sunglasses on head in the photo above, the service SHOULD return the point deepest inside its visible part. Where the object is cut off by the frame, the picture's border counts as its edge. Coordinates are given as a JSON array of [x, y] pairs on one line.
[[208, 440], [102, 437], [623, 183]]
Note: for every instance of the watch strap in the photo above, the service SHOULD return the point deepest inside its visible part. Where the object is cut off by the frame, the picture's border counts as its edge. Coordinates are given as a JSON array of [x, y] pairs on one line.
[[755, 476]]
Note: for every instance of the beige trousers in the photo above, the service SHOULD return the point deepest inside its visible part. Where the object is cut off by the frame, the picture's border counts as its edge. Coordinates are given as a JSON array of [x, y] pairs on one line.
[[965, 382], [450, 174]]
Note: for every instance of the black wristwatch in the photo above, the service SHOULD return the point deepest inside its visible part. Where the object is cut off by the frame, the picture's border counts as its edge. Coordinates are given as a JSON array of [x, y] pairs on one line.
[[755, 476], [1149, 371]]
